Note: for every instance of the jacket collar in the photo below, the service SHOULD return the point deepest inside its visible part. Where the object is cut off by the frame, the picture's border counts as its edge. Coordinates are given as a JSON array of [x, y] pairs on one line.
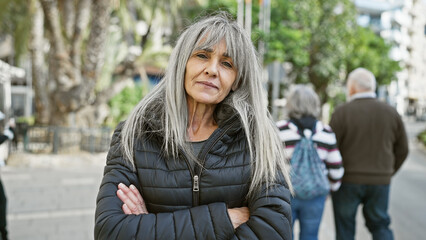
[[362, 95]]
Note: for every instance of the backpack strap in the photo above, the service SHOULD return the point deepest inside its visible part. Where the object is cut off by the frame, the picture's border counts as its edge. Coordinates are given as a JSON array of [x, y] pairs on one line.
[[300, 127]]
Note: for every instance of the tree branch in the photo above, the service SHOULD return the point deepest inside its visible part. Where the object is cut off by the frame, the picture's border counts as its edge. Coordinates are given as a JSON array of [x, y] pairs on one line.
[[99, 30], [81, 22], [93, 60], [50, 9], [63, 73], [68, 9]]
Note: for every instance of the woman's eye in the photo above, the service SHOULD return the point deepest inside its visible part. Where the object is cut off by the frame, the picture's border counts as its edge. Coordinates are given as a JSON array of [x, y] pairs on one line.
[[201, 55], [227, 64]]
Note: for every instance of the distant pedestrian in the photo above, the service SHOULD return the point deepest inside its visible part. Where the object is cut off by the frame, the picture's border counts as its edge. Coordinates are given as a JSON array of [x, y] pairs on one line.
[[373, 143], [324, 161], [6, 133]]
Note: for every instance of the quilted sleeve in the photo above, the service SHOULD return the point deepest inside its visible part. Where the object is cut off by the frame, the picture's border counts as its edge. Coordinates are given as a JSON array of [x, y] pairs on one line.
[[270, 214], [203, 222]]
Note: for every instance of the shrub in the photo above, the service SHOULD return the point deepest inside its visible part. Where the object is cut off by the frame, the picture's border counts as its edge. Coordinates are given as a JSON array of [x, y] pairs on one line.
[[422, 137]]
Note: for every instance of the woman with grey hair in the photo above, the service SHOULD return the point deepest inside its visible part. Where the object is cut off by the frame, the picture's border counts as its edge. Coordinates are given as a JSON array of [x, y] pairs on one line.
[[199, 157], [303, 106]]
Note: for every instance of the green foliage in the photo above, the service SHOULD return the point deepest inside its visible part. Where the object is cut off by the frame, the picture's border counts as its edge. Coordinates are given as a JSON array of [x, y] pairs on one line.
[[371, 51], [123, 103], [422, 137], [15, 20], [224, 5], [26, 120], [335, 100], [322, 42], [287, 42]]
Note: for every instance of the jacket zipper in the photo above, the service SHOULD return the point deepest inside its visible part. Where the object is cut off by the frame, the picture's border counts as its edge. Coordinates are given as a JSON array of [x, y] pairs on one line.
[[196, 185], [197, 178]]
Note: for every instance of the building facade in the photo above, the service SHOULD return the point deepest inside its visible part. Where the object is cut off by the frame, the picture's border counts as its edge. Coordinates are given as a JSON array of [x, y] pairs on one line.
[[403, 24]]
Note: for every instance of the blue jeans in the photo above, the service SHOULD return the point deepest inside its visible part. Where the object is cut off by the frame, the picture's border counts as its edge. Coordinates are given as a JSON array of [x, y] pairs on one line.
[[375, 201], [309, 214]]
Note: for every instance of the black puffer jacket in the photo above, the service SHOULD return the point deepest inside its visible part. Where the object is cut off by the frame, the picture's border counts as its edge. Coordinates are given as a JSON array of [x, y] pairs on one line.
[[183, 207]]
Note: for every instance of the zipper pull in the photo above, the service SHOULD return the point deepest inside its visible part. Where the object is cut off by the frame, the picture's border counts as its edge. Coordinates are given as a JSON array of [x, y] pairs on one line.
[[196, 185]]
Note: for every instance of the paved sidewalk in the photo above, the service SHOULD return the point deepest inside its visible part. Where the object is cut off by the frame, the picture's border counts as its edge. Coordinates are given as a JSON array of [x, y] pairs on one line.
[[52, 196]]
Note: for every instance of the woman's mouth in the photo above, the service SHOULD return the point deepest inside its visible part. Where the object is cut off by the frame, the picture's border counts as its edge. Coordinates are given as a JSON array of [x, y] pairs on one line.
[[208, 84]]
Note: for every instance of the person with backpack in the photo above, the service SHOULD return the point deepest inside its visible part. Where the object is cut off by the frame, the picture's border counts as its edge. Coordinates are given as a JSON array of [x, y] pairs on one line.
[[315, 160]]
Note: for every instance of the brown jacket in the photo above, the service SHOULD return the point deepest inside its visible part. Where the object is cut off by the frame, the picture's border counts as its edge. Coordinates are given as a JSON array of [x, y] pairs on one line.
[[372, 140]]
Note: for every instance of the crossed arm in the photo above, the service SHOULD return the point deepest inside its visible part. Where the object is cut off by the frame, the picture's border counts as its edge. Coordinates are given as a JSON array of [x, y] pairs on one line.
[[133, 203]]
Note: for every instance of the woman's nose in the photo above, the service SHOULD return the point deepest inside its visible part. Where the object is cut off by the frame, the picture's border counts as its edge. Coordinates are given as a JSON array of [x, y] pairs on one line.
[[211, 68]]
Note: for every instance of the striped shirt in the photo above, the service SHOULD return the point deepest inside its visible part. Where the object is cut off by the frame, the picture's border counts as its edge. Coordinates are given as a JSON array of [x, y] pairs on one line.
[[325, 141]]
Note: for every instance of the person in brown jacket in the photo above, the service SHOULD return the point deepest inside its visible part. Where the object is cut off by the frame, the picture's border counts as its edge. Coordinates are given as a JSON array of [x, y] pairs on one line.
[[373, 144]]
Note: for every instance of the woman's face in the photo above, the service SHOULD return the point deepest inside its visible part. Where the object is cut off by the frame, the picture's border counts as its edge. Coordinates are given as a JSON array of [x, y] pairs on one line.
[[209, 75]]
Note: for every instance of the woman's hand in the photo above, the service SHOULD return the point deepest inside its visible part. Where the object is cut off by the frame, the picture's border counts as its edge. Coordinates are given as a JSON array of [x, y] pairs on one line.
[[238, 216], [133, 202]]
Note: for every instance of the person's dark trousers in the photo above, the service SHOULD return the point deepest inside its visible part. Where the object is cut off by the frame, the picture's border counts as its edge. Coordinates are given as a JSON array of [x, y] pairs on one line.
[[3, 230], [375, 201], [309, 213]]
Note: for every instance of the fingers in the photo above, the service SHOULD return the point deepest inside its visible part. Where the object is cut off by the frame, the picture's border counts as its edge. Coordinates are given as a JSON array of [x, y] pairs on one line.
[[133, 207], [132, 199], [126, 209], [130, 193], [136, 192]]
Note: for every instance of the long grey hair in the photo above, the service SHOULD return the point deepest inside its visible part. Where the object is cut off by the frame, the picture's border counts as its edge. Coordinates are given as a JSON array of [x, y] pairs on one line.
[[248, 100]]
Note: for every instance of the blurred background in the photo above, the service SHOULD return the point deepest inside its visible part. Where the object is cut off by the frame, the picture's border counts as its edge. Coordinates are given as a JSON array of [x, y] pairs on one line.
[[70, 70]]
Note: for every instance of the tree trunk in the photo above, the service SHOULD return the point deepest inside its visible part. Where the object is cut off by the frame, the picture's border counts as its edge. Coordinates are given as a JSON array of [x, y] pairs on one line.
[[93, 59], [63, 74], [41, 91], [90, 114], [82, 20], [75, 82]]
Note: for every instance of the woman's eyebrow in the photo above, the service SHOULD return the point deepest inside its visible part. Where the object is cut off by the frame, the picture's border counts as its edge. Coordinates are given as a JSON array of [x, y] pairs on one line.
[[209, 50]]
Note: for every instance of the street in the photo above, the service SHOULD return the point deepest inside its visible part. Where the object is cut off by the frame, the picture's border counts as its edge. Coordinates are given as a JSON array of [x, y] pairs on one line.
[[53, 200], [53, 196], [408, 191]]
